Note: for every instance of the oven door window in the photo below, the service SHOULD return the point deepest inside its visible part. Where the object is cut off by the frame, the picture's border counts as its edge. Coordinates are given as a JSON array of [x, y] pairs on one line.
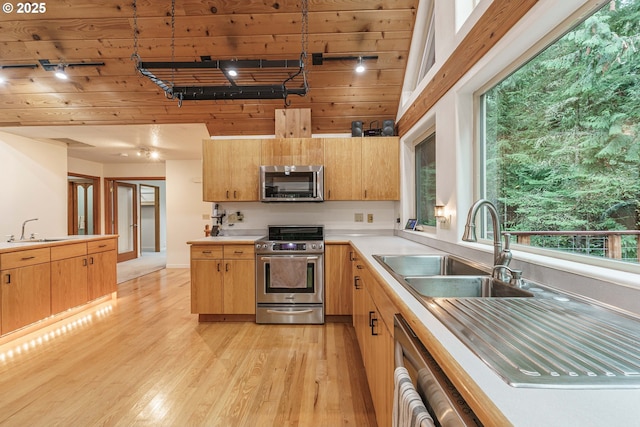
[[309, 289], [294, 185]]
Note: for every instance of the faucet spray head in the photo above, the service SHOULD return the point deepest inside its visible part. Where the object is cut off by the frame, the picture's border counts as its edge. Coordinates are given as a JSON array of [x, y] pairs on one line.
[[469, 234]]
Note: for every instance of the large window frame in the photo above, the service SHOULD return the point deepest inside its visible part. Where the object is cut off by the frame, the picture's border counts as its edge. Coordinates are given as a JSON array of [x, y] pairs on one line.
[[426, 181], [482, 158]]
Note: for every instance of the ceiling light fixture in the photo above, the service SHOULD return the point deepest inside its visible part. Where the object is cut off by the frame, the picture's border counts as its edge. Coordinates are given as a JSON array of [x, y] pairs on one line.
[[232, 72], [59, 68], [60, 73], [319, 59]]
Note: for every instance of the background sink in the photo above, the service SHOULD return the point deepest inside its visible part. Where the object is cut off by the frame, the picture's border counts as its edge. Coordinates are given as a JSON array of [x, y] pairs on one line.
[[430, 265], [463, 287]]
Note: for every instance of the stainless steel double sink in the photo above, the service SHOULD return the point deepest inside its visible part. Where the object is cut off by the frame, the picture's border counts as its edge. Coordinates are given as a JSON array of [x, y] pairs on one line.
[[446, 276], [551, 341]]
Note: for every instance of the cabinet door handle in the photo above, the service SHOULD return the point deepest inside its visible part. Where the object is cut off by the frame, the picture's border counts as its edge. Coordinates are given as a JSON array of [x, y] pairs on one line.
[[218, 267], [91, 260], [238, 252], [329, 194], [8, 278], [206, 252], [365, 194], [359, 266], [104, 246], [226, 267], [351, 257], [27, 258], [234, 194], [84, 262], [371, 313], [356, 282], [374, 323], [227, 194]]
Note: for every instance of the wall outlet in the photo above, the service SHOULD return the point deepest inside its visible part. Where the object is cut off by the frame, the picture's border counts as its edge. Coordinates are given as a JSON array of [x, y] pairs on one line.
[[369, 218], [358, 217]]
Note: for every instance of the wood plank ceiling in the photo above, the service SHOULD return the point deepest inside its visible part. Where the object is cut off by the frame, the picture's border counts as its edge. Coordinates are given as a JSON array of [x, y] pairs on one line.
[[74, 31]]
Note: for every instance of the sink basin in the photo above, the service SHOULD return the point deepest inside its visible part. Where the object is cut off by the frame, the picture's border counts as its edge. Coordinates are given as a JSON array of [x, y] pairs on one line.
[[463, 287], [50, 239], [430, 265]]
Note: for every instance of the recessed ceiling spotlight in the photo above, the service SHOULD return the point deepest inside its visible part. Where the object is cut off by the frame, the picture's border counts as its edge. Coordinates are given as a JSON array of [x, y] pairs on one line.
[[232, 72]]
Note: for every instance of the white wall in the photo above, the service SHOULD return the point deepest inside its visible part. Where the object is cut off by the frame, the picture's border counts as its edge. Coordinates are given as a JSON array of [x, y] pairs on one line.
[[184, 209], [33, 184]]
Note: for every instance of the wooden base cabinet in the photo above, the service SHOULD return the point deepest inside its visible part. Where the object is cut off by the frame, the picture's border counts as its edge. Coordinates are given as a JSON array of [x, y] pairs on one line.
[[337, 279], [49, 279], [223, 279], [26, 288], [69, 267], [375, 338]]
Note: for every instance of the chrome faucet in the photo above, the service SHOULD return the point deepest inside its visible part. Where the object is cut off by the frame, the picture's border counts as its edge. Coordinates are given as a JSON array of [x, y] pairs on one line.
[[25, 223], [501, 257]]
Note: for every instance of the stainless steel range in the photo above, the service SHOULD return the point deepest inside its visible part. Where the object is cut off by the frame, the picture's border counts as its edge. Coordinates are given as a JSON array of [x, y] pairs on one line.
[[290, 275]]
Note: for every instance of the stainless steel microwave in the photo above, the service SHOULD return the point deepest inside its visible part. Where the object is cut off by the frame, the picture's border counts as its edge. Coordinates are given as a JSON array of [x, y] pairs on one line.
[[292, 183]]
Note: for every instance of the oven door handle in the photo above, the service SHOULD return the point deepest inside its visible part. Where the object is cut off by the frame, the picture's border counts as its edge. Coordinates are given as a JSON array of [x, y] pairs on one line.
[[268, 258], [307, 311]]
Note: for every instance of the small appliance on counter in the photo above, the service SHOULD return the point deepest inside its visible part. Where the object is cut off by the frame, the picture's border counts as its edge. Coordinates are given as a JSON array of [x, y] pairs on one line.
[[290, 275]]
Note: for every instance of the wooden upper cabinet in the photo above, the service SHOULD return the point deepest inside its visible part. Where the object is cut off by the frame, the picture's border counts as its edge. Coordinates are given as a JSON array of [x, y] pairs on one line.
[[343, 169], [292, 151], [381, 168], [230, 169], [362, 168]]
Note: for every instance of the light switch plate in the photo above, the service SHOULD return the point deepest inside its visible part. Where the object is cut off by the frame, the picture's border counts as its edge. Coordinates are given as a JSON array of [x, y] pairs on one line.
[[369, 218]]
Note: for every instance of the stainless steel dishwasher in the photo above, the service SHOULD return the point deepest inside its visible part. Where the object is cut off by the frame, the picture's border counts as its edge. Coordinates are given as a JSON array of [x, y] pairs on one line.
[[446, 406]]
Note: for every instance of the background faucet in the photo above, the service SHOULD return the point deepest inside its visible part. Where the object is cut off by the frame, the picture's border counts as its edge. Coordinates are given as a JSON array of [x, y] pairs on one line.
[[25, 223], [501, 258]]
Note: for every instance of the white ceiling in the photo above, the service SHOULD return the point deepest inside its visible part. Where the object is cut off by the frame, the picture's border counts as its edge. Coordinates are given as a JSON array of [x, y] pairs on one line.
[[121, 143]]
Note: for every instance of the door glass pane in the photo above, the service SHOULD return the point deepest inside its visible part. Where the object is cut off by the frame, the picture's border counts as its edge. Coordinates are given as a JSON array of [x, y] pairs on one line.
[[125, 219]]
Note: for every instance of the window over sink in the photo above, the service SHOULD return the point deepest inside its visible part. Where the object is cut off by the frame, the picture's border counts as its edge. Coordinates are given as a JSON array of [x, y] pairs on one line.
[[560, 142]]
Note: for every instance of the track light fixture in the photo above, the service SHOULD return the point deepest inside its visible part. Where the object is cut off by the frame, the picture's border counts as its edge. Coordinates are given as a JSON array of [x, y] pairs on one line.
[[60, 73], [319, 59], [59, 68]]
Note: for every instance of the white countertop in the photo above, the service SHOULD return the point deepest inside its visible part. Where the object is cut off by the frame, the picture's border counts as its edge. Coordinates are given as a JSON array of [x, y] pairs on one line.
[[4, 245], [522, 406]]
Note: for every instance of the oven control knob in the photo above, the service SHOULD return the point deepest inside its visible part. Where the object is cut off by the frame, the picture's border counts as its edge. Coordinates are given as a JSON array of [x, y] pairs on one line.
[[257, 245], [319, 245], [313, 246]]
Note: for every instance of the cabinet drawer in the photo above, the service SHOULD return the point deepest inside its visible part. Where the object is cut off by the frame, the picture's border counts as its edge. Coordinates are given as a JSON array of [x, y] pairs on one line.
[[68, 251], [239, 252], [24, 258], [206, 252], [101, 245]]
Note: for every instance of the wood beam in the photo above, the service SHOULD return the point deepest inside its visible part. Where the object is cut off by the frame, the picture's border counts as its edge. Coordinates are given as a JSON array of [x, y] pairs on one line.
[[499, 18]]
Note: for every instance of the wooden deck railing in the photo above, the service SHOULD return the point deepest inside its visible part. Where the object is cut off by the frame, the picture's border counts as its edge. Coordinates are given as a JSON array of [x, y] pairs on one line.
[[612, 238]]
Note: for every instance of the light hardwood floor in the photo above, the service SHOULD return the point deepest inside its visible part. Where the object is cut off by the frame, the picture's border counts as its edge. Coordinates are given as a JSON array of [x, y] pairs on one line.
[[146, 361]]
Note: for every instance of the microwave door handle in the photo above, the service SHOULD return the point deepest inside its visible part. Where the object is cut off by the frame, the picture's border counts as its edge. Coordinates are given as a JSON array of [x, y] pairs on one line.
[[315, 185]]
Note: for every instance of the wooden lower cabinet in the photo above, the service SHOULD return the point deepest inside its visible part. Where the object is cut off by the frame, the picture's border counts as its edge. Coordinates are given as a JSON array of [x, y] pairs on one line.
[[223, 279], [337, 279], [26, 296], [101, 274], [47, 280], [68, 283], [375, 339]]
